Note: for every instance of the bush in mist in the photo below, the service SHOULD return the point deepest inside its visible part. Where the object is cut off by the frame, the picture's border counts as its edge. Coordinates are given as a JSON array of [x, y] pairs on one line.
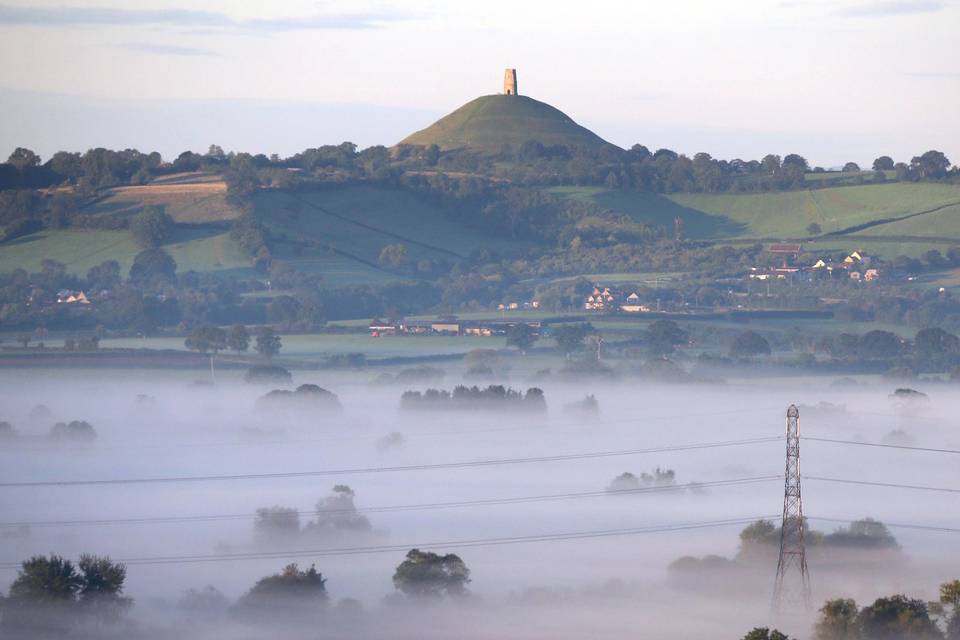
[[40, 412], [50, 595], [588, 406], [238, 338], [420, 374], [691, 564], [837, 621], [489, 358], [7, 430], [897, 618], [949, 608], [866, 534], [393, 440], [892, 618], [207, 602], [206, 339], [345, 361], [749, 344], [764, 633], [462, 397], [430, 575], [862, 534], [268, 343], [905, 393], [306, 396], [570, 337], [587, 366], [522, 336], [338, 513], [292, 591], [629, 482], [663, 336], [479, 372], [268, 373], [76, 430], [276, 523]]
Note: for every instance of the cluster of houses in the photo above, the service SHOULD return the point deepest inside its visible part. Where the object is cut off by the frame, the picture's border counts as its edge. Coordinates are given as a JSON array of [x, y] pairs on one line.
[[855, 266], [450, 327], [607, 299]]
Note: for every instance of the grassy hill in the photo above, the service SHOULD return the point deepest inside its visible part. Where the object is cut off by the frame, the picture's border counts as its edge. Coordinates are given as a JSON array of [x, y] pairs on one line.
[[340, 232], [489, 122], [876, 216], [187, 197], [197, 249]]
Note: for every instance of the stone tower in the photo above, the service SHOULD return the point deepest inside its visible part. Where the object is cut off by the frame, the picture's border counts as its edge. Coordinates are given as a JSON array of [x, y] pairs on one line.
[[510, 82]]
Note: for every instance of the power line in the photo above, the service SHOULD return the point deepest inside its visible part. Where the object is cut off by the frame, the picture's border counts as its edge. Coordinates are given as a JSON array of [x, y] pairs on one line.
[[476, 542], [449, 544], [406, 507], [365, 470], [885, 446], [885, 484], [467, 503], [894, 525]]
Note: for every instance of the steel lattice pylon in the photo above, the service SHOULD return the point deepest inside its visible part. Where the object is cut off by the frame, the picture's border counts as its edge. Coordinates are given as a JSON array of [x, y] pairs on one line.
[[792, 586]]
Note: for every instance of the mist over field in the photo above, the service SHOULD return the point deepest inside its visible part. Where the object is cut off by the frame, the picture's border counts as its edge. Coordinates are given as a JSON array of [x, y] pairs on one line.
[[161, 425]]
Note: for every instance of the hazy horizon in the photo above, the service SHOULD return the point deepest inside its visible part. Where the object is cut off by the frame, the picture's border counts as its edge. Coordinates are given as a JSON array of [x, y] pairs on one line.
[[737, 80]]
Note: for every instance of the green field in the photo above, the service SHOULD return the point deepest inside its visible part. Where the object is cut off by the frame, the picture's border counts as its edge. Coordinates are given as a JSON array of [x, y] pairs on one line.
[[192, 248], [189, 198], [787, 214], [339, 233]]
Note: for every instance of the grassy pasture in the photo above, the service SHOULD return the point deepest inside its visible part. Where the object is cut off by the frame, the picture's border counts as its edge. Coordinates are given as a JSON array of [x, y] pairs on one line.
[[340, 232], [186, 202], [787, 214], [197, 249]]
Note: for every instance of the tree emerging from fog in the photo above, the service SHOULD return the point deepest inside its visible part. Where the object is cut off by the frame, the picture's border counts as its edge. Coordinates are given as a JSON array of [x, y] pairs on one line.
[[629, 482], [474, 398], [424, 574], [276, 522], [338, 513], [291, 591], [75, 430], [52, 595]]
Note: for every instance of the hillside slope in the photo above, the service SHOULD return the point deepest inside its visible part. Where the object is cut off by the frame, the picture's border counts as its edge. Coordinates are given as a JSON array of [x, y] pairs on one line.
[[339, 232], [927, 212], [489, 122]]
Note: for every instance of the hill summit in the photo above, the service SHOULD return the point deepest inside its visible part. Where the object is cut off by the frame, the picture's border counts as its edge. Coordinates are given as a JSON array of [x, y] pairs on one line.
[[489, 122]]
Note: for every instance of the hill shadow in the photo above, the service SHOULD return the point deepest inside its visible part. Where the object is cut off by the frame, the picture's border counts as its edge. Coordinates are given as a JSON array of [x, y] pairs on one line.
[[183, 233], [655, 210]]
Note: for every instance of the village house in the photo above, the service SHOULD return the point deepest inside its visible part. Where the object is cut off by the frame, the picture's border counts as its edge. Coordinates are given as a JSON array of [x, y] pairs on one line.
[[66, 296], [446, 327], [632, 304]]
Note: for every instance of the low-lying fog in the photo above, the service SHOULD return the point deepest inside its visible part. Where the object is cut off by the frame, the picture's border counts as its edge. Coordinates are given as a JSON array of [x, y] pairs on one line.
[[161, 425]]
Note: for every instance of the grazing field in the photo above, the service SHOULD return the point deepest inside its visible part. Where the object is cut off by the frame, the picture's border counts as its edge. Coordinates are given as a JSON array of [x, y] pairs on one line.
[[197, 249], [187, 198], [340, 232], [787, 214]]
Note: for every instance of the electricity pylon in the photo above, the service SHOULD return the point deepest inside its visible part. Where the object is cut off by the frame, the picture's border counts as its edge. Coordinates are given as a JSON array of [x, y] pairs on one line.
[[792, 586]]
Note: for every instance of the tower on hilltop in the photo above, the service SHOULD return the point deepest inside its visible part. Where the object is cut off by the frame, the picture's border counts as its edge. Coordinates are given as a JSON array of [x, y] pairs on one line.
[[510, 82]]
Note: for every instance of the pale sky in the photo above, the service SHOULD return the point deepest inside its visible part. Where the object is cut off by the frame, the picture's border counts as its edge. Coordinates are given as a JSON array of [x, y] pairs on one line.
[[833, 80]]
